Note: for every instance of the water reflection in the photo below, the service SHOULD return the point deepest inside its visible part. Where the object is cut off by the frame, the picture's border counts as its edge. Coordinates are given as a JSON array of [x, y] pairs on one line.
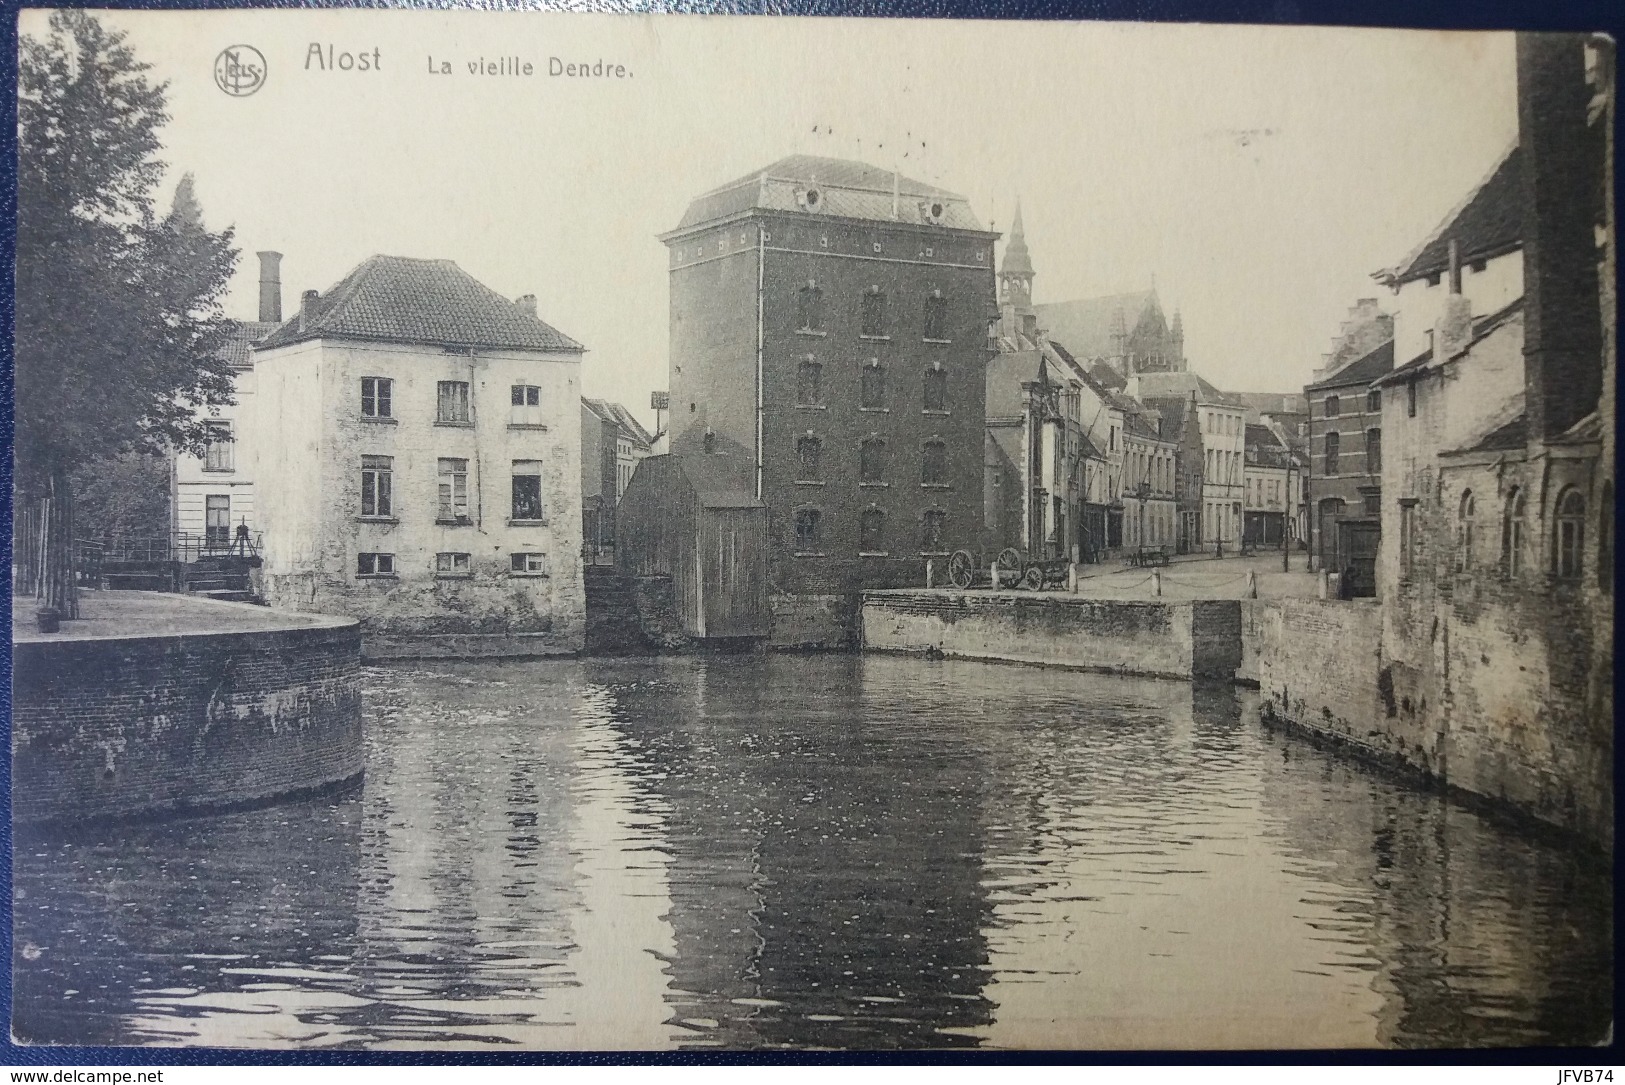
[[816, 852]]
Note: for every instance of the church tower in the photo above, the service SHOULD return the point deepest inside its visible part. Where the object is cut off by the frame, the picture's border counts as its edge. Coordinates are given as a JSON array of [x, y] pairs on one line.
[[1176, 336], [1016, 283]]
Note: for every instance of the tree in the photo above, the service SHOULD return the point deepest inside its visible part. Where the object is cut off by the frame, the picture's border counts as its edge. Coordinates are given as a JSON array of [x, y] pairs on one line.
[[119, 326], [124, 496]]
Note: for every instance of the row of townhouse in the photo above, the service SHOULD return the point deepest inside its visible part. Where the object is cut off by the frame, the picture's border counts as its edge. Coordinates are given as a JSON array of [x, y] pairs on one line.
[[409, 448], [1464, 452]]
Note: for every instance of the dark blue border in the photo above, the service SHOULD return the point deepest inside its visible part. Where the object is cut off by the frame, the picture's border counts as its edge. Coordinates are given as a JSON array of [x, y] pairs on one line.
[[1559, 15]]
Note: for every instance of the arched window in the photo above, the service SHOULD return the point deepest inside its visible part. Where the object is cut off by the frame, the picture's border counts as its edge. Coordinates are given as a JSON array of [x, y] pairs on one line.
[[810, 309], [936, 389], [1333, 446], [1466, 527], [1571, 526], [934, 464], [872, 460], [809, 453], [872, 532], [1512, 534], [1605, 539], [872, 394], [809, 383]]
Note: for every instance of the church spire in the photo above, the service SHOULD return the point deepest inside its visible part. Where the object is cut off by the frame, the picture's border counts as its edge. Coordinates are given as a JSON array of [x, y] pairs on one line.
[[1018, 263]]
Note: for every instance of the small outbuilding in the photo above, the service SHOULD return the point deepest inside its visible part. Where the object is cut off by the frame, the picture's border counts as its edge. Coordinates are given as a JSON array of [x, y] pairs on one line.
[[694, 517]]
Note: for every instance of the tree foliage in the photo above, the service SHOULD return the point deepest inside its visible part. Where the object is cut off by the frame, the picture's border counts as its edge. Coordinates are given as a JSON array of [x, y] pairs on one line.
[[119, 325], [123, 496]]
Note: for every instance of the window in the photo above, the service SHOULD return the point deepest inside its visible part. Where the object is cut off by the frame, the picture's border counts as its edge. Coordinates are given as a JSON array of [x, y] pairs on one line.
[[1466, 528], [872, 532], [1512, 534], [872, 461], [451, 565], [873, 323], [808, 531], [217, 521], [1333, 407], [1605, 539], [872, 394], [1571, 524], [936, 389], [528, 564], [931, 525], [1373, 451], [527, 490], [452, 402], [526, 405], [1410, 399], [809, 451], [453, 492], [809, 383], [1332, 443], [936, 318], [934, 464], [217, 450], [377, 484], [1371, 504], [1373, 400], [810, 309], [375, 565], [375, 394]]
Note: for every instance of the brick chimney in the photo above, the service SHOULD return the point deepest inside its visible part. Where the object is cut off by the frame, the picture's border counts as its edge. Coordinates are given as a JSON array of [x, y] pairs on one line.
[[270, 287], [1562, 340], [527, 303], [307, 307], [1454, 329]]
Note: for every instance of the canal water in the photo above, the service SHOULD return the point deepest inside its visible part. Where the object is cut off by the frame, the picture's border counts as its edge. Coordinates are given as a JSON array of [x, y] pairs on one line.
[[816, 852]]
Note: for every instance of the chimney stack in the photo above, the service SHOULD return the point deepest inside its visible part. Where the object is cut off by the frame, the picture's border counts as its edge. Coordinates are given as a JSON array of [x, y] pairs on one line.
[[270, 287], [1455, 327], [528, 304], [307, 307]]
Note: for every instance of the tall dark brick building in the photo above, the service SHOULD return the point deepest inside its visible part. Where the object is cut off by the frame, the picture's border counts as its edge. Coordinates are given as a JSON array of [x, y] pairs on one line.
[[829, 336]]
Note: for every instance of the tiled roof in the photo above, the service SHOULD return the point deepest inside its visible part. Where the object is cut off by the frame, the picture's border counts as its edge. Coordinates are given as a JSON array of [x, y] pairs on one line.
[[616, 414], [1173, 411], [1137, 424], [1086, 325], [1362, 371], [1261, 437], [238, 350], [1271, 402], [1108, 376], [398, 299], [1488, 223], [1181, 385], [1503, 438], [1482, 327], [851, 190]]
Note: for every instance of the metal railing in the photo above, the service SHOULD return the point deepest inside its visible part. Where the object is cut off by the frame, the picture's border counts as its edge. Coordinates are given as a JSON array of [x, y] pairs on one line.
[[181, 546]]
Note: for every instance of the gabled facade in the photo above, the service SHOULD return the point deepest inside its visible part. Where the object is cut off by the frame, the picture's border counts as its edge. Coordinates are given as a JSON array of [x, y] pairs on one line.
[[613, 442], [830, 325], [417, 444]]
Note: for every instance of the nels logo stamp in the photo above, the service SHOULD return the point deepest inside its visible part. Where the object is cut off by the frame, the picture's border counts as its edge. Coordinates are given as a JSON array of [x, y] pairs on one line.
[[239, 70]]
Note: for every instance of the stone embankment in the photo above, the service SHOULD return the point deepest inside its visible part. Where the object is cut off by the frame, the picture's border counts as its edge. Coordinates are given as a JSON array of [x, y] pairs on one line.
[[162, 704]]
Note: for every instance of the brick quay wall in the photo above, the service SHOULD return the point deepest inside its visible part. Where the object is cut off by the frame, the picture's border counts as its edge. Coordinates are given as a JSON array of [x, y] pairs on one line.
[[1170, 640], [1322, 671], [112, 727]]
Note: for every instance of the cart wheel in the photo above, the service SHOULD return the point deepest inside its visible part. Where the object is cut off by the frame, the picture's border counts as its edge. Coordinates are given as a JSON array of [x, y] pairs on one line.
[[961, 569], [1032, 577], [1010, 559]]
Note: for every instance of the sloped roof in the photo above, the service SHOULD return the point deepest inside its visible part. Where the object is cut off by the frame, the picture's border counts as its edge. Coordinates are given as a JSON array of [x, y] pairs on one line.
[[846, 189], [1108, 377], [1169, 385], [1271, 402], [1362, 371], [718, 481], [238, 350], [1513, 434], [1482, 327], [1172, 411], [400, 299], [1017, 260], [1488, 223], [1136, 423], [1261, 437], [1086, 324], [616, 414]]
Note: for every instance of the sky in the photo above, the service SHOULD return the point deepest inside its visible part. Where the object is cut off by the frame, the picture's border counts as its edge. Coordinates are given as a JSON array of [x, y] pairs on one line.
[[1257, 176]]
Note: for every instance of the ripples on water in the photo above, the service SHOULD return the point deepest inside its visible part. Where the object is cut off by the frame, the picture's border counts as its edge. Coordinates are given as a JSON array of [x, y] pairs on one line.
[[809, 852]]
